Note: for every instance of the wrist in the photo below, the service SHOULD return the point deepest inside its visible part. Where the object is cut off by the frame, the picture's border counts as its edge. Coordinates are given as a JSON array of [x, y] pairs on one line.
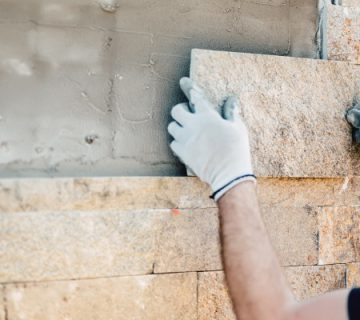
[[242, 190]]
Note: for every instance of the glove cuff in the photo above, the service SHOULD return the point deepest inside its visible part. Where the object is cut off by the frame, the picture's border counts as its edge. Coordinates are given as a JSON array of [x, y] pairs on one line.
[[220, 192]]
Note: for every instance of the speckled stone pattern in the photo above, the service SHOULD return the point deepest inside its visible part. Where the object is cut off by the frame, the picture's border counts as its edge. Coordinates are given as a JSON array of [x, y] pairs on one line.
[[350, 3], [294, 109], [142, 248], [343, 33]]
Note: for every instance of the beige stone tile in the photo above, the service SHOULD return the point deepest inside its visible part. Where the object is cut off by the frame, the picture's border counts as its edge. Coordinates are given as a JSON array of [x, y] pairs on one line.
[[339, 237], [51, 246], [295, 98], [189, 240], [293, 234], [141, 297], [299, 193], [214, 302], [22, 195], [350, 3], [353, 275], [307, 282], [343, 33], [2, 303]]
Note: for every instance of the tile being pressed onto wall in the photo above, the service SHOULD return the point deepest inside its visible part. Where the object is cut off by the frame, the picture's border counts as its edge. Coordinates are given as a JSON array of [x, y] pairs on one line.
[[139, 297], [343, 33], [353, 275], [288, 105]]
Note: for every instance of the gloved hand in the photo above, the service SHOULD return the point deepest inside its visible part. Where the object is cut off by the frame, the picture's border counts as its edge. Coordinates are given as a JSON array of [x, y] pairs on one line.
[[216, 148]]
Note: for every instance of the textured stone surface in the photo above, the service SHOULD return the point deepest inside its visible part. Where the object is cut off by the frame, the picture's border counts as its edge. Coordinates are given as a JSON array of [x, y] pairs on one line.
[[189, 241], [70, 245], [350, 3], [22, 195], [214, 302], [353, 275], [293, 233], [307, 282], [2, 306], [343, 33], [142, 297], [83, 72], [288, 105], [339, 237], [91, 194]]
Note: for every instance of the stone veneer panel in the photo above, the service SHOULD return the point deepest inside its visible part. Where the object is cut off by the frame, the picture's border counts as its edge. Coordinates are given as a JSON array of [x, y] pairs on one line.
[[297, 99], [141, 297], [339, 238], [306, 282], [343, 33], [353, 275]]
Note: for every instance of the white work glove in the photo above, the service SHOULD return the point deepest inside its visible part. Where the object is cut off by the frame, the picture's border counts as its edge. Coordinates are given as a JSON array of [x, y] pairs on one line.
[[216, 148]]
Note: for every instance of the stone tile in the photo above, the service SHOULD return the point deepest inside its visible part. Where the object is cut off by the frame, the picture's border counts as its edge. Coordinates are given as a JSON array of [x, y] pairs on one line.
[[140, 297], [293, 234], [70, 245], [343, 34], [2, 305], [339, 238], [189, 240], [300, 193], [350, 3], [214, 302], [353, 275], [93, 194], [308, 282], [294, 143]]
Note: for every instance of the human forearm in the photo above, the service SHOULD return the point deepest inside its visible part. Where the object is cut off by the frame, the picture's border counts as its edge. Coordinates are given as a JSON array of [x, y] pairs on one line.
[[254, 277]]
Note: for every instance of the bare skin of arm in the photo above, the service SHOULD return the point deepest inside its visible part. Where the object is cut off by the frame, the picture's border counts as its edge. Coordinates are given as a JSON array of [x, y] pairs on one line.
[[255, 279]]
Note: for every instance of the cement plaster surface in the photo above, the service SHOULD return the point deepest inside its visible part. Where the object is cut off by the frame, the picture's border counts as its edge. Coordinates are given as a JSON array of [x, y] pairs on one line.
[[85, 92]]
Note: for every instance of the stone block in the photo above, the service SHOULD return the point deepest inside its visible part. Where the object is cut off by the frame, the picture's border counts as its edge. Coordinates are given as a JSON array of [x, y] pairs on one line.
[[308, 282], [339, 238], [95, 194], [2, 305], [214, 302], [343, 33], [353, 275], [293, 234], [300, 193], [288, 104], [350, 3], [140, 297], [189, 241]]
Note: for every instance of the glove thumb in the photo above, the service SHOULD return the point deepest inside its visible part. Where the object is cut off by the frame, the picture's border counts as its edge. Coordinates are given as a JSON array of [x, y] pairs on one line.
[[230, 110]]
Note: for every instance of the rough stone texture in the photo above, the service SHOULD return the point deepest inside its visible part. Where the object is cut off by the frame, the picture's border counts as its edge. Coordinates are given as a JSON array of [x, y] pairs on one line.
[[339, 238], [48, 246], [293, 233], [94, 194], [2, 306], [350, 3], [143, 297], [343, 33], [288, 104], [189, 240], [88, 92], [307, 282], [214, 302], [353, 275]]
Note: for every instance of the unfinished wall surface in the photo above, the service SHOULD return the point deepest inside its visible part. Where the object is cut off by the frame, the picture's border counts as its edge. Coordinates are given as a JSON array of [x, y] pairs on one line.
[[148, 248], [88, 92]]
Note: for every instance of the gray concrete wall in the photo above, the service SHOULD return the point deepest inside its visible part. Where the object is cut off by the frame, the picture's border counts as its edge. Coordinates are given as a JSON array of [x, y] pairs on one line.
[[84, 92]]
